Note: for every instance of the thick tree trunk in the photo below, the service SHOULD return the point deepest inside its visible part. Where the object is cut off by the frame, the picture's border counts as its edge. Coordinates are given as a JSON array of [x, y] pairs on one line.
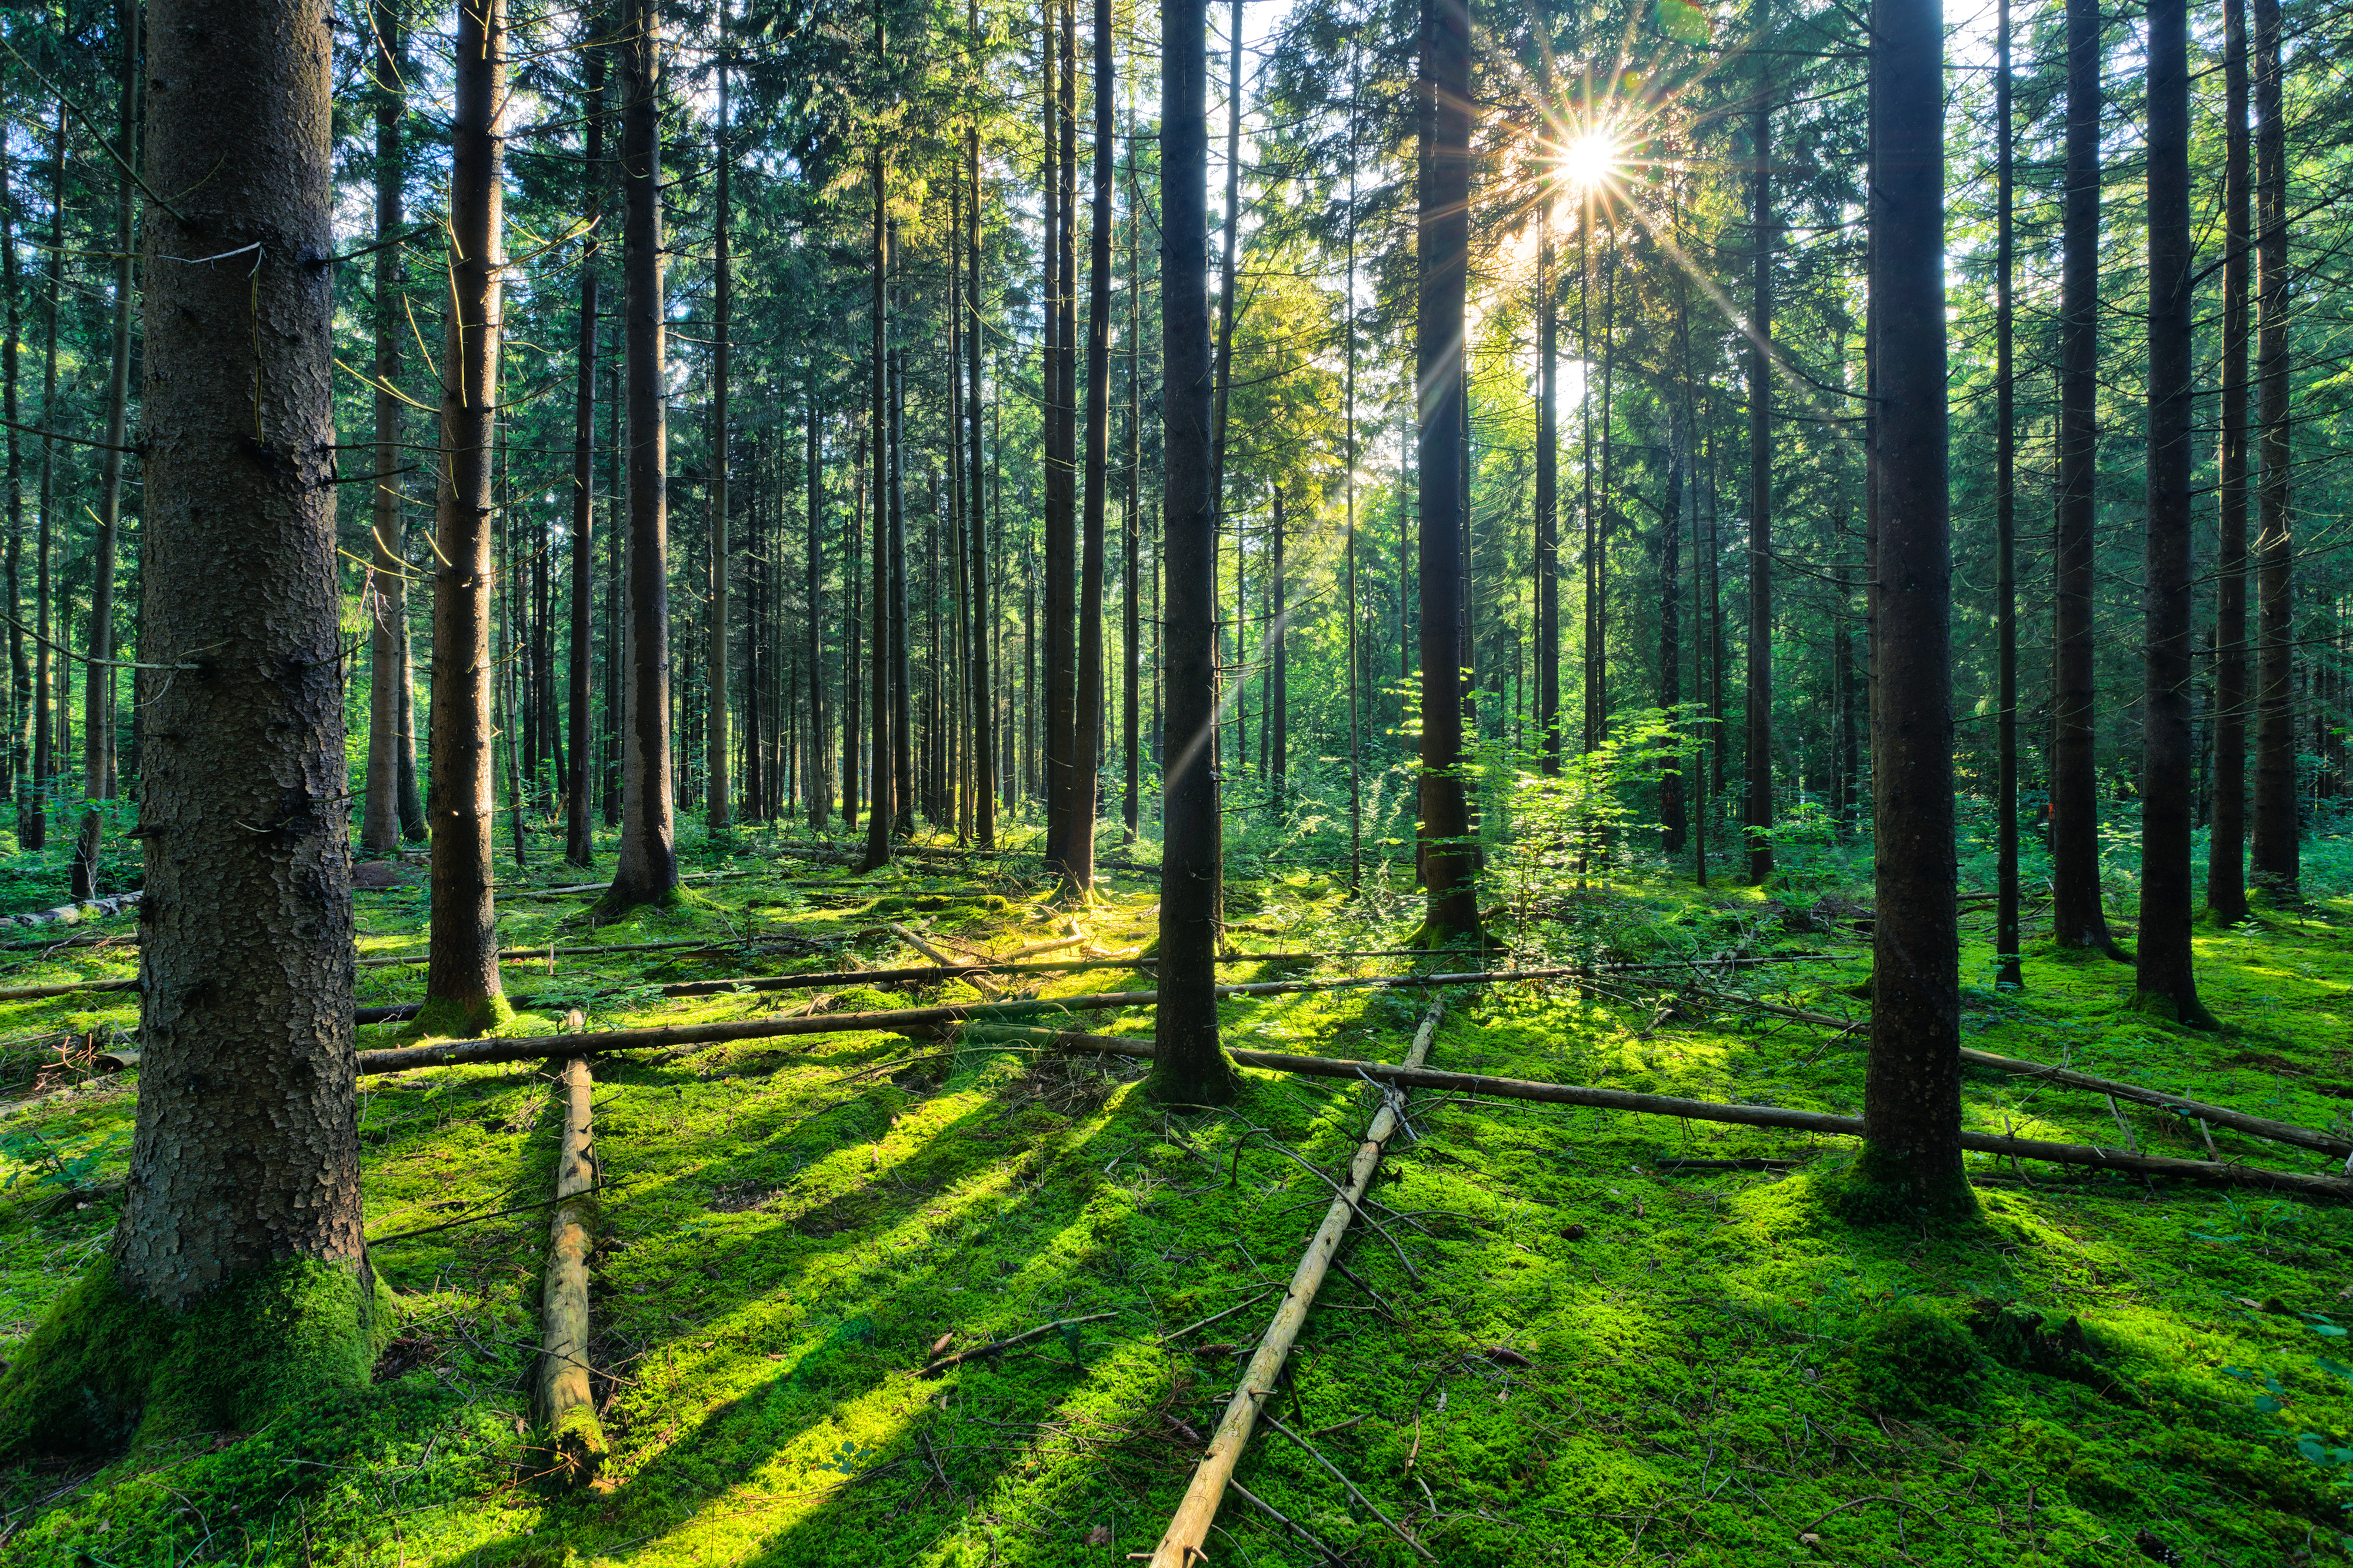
[[20, 675], [2226, 848], [1078, 847], [1060, 584], [852, 621], [387, 596], [2163, 977], [579, 840], [1912, 1086], [247, 1153], [2077, 919], [719, 803], [1756, 813], [1448, 859], [461, 985], [2005, 568], [98, 683], [1188, 1067], [647, 870], [1547, 499], [2276, 854]]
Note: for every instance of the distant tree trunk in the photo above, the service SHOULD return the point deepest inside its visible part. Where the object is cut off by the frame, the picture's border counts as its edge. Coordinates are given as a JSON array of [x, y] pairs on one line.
[[2276, 853], [1547, 499], [1278, 696], [852, 621], [1348, 484], [1672, 823], [1078, 848], [983, 718], [2163, 977], [1188, 1067], [616, 569], [880, 806], [246, 1160], [646, 871], [820, 791], [20, 675], [1757, 815], [2007, 972], [719, 799], [461, 987], [98, 685], [1448, 854], [1912, 1086], [2226, 853], [34, 820], [1131, 614], [903, 694], [579, 839], [2077, 919]]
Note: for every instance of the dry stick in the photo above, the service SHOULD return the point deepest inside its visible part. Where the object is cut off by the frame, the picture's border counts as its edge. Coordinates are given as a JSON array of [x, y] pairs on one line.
[[2220, 1115], [980, 982], [1738, 1115], [1023, 1338], [1363, 1501], [567, 1402], [1182, 1542]]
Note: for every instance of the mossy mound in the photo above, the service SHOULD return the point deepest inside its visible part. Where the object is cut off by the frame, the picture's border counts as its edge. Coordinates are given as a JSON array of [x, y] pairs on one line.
[[108, 1368], [1912, 1357]]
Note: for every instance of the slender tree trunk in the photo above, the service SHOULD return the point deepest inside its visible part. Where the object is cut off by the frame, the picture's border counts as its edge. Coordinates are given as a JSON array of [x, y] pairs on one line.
[[646, 871], [1444, 220], [1672, 827], [462, 986], [1079, 849], [616, 569], [984, 718], [1547, 499], [902, 692], [2077, 919], [1188, 1067], [820, 793], [1348, 482], [880, 808], [20, 675], [852, 560], [1131, 614], [719, 796], [2276, 852], [1912, 1086], [1757, 815], [579, 840], [1060, 660], [2163, 975], [247, 1151], [2226, 853], [98, 685], [2005, 568], [34, 829], [1278, 709]]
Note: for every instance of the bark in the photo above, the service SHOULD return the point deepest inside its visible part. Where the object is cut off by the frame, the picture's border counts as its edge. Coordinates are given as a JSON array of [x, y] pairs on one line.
[[1672, 823], [33, 819], [464, 975], [579, 839], [894, 603], [2163, 977], [1912, 1086], [1078, 848], [2226, 850], [1547, 499], [566, 1394], [2076, 917], [719, 799], [647, 870], [1278, 638], [1060, 584], [20, 676], [1448, 853], [1132, 552], [852, 623], [880, 803], [97, 684], [1190, 1067], [387, 596], [2276, 851], [246, 1149], [983, 717], [1757, 806], [2005, 608], [820, 791]]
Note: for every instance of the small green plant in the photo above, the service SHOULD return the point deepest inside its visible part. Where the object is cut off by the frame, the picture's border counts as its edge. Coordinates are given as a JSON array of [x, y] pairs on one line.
[[39, 1164]]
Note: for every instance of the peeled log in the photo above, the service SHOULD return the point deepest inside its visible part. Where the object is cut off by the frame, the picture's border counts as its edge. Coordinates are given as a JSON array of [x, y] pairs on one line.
[[567, 1402]]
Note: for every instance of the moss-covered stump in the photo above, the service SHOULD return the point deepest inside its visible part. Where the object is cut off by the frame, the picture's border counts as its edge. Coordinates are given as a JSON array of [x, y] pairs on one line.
[[107, 1369]]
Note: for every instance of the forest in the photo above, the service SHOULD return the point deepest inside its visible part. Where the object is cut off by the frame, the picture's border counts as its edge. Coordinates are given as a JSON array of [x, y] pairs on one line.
[[1554, 782]]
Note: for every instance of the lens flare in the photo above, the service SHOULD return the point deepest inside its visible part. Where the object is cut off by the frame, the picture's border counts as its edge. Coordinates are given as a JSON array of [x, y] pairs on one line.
[[1589, 160]]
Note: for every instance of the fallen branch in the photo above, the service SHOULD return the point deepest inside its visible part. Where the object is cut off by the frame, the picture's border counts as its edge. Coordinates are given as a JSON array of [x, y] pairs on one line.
[[567, 1402], [1740, 1115], [978, 978], [75, 913], [934, 1368], [65, 988], [1182, 1540], [1362, 1500]]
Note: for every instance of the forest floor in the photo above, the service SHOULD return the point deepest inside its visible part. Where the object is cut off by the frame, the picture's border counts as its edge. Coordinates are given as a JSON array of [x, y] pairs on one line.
[[1566, 1341]]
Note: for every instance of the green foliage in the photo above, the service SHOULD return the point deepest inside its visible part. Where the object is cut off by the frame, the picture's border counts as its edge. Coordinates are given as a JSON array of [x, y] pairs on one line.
[[1913, 1358]]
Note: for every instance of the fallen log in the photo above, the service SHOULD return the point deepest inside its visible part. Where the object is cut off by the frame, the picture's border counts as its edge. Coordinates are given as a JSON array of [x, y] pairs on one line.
[[75, 913], [977, 974], [65, 988], [567, 1402], [1738, 1115], [1189, 1527]]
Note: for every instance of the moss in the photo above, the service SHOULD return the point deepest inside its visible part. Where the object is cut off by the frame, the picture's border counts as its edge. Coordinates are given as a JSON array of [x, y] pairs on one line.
[[1884, 1187], [108, 1367], [441, 1017], [1912, 1357]]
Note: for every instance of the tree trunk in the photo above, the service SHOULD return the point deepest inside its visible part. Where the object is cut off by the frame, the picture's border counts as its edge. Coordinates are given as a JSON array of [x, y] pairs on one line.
[[1278, 639], [34, 820], [879, 806], [2005, 570], [1673, 826], [1078, 847], [2077, 919], [852, 621], [1060, 586], [20, 675], [983, 718], [1188, 1067], [1912, 1086], [579, 839], [2275, 848], [647, 870], [820, 793], [1131, 611], [2163, 977], [1443, 222], [2226, 851], [461, 987], [97, 684], [1756, 807], [719, 802], [246, 1161], [894, 555], [1547, 499]]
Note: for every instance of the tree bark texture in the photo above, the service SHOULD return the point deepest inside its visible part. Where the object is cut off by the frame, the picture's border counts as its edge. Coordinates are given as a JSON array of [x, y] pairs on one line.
[[718, 790], [387, 597], [246, 1150], [2275, 852], [2226, 845], [579, 839], [984, 714], [2007, 972], [1078, 847], [880, 803], [1757, 806], [1547, 499]]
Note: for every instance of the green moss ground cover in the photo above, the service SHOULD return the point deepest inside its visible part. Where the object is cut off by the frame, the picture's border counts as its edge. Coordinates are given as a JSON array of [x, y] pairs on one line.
[[1558, 1346]]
